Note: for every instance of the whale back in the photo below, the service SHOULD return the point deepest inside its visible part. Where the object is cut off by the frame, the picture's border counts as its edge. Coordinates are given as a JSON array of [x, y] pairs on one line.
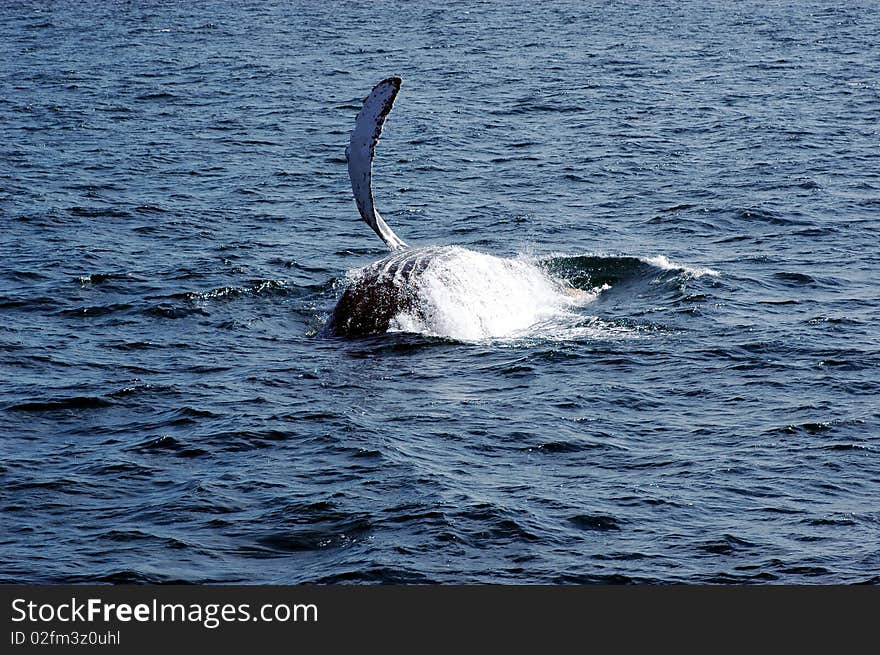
[[383, 290]]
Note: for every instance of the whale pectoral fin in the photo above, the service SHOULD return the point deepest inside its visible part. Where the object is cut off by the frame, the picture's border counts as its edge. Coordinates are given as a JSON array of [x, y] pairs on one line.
[[360, 151], [371, 118]]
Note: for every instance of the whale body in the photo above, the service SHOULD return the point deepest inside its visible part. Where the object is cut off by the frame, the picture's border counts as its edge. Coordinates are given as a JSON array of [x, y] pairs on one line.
[[455, 291], [383, 290], [387, 287]]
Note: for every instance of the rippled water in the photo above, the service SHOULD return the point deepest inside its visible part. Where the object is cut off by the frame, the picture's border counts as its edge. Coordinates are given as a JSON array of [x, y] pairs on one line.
[[177, 227]]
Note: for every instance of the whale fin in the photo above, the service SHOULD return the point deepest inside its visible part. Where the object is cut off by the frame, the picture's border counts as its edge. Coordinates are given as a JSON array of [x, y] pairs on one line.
[[359, 153]]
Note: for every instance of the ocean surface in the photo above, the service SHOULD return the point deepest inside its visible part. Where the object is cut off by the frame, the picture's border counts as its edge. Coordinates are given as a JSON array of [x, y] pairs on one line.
[[657, 359]]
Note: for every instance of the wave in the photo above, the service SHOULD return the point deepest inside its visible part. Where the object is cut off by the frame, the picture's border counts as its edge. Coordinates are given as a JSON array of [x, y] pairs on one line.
[[470, 296], [663, 263]]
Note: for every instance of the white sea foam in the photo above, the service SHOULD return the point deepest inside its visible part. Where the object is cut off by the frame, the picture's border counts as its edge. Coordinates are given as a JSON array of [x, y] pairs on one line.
[[662, 261], [472, 296]]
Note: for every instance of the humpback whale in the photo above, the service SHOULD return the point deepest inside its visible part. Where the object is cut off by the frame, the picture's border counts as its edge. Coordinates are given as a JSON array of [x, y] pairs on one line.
[[387, 287], [394, 286]]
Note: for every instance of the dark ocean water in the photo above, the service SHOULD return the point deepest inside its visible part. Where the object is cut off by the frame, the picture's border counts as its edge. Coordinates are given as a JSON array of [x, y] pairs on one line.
[[177, 226]]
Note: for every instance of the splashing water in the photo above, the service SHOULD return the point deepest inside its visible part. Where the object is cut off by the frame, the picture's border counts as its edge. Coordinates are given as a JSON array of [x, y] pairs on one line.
[[472, 296]]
